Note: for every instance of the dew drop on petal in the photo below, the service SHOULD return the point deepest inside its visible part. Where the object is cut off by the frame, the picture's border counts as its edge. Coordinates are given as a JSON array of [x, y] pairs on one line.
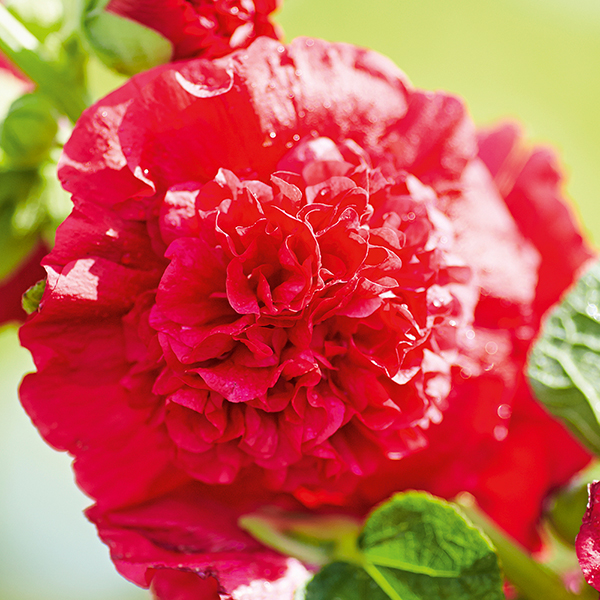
[[470, 334], [395, 455], [500, 432], [504, 411], [491, 347]]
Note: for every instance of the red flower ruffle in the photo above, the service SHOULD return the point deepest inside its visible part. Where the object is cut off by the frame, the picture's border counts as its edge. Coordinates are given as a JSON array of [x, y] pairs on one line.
[[289, 280]]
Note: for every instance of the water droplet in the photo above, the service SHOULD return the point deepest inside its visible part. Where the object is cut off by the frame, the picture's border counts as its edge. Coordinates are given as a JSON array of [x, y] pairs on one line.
[[592, 311], [272, 135], [395, 455], [504, 411], [437, 303], [289, 144], [298, 72], [296, 137], [491, 347], [280, 49], [234, 10], [145, 171], [291, 95], [327, 104], [452, 323], [310, 43], [500, 432], [470, 334], [465, 374], [104, 113], [411, 216]]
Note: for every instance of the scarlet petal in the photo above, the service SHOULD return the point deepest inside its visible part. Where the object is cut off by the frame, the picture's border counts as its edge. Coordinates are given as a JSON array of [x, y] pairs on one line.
[[168, 584], [189, 531], [588, 540]]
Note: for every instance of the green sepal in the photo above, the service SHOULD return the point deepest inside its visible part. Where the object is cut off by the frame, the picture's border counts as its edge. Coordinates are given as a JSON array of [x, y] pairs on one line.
[[33, 296], [314, 539]]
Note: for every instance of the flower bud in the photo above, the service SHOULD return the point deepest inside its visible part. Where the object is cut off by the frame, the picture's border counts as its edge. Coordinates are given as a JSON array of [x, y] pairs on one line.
[[28, 131], [121, 43]]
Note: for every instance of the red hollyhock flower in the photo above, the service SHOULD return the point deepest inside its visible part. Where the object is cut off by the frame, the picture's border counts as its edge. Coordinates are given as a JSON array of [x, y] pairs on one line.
[[206, 28], [289, 280], [587, 542]]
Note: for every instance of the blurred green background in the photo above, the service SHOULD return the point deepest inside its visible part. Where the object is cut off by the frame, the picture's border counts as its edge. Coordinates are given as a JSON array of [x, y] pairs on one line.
[[528, 60]]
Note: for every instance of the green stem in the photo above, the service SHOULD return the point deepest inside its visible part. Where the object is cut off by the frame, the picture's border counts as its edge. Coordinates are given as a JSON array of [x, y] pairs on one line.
[[533, 580], [32, 57]]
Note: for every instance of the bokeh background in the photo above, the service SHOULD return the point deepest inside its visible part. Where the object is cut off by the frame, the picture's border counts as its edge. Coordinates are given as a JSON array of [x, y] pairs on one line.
[[535, 61]]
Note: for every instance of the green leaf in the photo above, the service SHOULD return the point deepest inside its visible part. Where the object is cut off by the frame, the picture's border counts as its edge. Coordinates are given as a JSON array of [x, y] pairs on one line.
[[33, 296], [564, 366], [418, 547], [342, 581]]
